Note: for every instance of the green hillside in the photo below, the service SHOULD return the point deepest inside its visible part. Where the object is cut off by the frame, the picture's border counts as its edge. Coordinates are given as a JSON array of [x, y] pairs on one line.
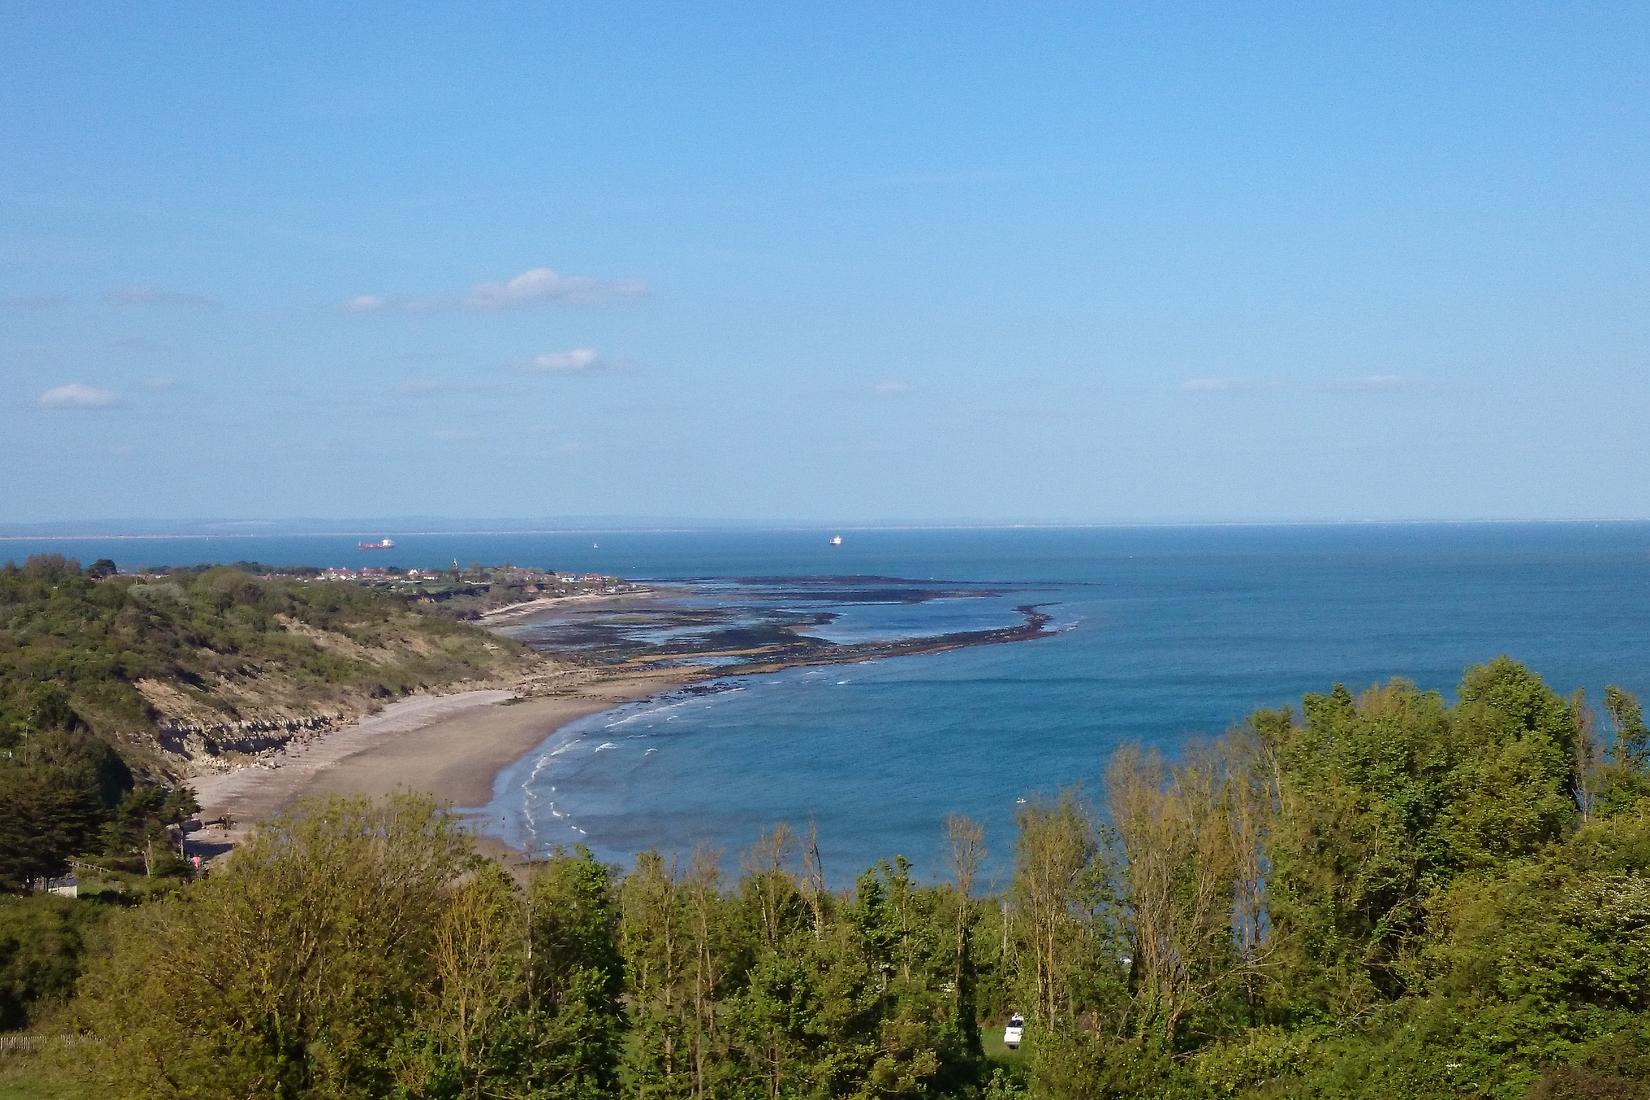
[[120, 657], [110, 686]]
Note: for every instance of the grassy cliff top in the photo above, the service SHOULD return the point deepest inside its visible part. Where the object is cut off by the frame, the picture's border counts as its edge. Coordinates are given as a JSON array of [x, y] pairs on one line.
[[122, 657]]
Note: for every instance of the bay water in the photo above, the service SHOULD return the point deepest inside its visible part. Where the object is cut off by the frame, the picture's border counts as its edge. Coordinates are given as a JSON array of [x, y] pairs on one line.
[[1162, 634]]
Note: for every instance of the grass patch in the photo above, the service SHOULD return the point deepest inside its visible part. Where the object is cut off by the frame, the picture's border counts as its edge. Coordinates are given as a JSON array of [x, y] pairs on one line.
[[38, 1075]]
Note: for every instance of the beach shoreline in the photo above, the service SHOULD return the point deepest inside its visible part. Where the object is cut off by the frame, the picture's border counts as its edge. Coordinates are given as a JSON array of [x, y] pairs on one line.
[[588, 601], [450, 746], [454, 746]]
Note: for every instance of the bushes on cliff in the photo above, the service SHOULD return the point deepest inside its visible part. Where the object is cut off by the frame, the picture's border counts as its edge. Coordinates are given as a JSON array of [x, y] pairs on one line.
[[73, 645]]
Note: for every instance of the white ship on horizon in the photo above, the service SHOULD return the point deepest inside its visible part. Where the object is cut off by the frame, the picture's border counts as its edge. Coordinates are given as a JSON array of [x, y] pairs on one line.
[[836, 540]]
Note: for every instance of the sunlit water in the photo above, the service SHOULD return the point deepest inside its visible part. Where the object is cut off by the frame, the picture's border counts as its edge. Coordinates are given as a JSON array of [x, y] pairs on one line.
[[1166, 634]]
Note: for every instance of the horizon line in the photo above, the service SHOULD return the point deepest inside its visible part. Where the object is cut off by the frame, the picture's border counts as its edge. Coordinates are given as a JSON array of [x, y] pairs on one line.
[[273, 530]]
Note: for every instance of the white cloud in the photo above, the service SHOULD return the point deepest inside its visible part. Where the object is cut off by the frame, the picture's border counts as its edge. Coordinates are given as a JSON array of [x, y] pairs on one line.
[[891, 389], [154, 296], [535, 287], [366, 303], [77, 395], [544, 285], [577, 361]]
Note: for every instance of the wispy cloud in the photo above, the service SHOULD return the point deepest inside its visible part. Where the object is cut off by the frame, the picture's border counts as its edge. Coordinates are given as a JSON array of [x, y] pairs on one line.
[[366, 303], [577, 361], [155, 296], [544, 285], [32, 301], [159, 382], [536, 287], [77, 395], [891, 389]]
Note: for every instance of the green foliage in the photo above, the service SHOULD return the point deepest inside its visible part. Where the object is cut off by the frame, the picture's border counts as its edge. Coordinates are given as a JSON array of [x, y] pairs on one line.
[[1073, 1064], [43, 940], [290, 972], [1631, 743], [1250, 1059], [1386, 798], [577, 973], [75, 644], [44, 1074], [1385, 896], [58, 793], [77, 648]]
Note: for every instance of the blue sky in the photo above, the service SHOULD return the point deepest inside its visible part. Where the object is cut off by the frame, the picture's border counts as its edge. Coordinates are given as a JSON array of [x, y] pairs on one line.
[[825, 262]]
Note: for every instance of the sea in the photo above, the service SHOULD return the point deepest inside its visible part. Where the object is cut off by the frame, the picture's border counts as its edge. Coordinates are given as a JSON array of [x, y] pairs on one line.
[[1159, 635]]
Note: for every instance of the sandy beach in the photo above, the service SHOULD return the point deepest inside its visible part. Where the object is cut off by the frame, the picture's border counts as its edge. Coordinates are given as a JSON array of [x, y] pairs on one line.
[[454, 745], [451, 746]]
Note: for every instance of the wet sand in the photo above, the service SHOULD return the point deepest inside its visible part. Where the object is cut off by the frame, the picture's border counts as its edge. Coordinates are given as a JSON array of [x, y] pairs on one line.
[[451, 746], [454, 746]]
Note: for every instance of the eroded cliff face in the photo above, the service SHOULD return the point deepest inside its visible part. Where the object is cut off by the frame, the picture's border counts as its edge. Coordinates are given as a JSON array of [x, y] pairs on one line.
[[214, 728], [258, 706], [205, 744], [185, 670]]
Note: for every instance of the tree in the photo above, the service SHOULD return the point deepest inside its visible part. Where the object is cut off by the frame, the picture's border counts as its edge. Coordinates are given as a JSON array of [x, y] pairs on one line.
[[1053, 853], [1363, 787], [55, 803], [707, 936], [43, 944], [1188, 855], [293, 971], [1631, 744], [658, 967], [478, 955], [965, 842], [1513, 785], [574, 1027]]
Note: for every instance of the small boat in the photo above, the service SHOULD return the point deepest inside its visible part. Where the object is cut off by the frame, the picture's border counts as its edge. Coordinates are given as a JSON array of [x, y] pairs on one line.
[[836, 540], [381, 544]]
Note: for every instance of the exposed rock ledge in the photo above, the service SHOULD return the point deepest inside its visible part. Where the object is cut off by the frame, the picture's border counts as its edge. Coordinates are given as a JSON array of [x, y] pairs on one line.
[[205, 743]]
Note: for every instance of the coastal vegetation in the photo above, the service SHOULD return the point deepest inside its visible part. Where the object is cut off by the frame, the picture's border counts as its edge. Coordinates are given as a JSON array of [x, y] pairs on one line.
[[1369, 895], [109, 684], [112, 655]]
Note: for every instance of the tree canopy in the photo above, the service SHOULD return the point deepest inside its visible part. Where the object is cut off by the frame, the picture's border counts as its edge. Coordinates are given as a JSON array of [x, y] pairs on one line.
[[1374, 894]]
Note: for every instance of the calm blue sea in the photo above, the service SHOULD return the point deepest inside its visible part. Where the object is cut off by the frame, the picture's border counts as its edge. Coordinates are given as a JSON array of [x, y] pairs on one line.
[[1169, 634]]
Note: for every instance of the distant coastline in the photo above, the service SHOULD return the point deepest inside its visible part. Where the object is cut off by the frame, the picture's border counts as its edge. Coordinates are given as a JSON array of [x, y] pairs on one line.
[[454, 745], [50, 532]]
